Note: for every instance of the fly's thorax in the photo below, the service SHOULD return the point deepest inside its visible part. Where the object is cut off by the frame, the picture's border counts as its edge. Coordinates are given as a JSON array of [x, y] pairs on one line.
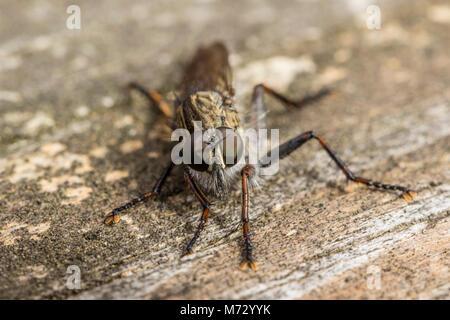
[[211, 108]]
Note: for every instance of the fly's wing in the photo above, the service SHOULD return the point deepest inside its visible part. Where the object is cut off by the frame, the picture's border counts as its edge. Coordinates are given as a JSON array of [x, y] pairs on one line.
[[209, 70]]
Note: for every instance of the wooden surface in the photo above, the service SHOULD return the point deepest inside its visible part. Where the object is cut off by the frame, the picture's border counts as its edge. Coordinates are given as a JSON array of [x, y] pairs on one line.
[[72, 147]]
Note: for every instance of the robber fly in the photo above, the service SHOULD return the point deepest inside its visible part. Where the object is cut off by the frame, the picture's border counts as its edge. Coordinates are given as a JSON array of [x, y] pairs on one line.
[[207, 96]]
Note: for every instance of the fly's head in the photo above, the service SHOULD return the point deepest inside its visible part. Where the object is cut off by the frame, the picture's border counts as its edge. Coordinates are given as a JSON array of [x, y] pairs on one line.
[[216, 147], [216, 157]]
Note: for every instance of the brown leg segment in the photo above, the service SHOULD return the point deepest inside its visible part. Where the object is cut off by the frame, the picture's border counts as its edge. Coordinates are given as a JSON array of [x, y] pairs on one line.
[[113, 217], [291, 103], [205, 214], [286, 148], [246, 172], [259, 109], [155, 98]]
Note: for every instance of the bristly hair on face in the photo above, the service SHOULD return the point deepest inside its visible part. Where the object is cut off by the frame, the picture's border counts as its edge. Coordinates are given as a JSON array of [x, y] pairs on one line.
[[220, 181]]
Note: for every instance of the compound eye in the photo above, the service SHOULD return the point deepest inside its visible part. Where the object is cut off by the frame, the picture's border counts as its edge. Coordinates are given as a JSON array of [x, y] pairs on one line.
[[197, 147], [199, 167], [231, 146]]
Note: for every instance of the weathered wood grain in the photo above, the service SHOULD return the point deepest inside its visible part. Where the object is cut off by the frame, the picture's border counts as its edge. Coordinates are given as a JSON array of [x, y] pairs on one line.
[[72, 147]]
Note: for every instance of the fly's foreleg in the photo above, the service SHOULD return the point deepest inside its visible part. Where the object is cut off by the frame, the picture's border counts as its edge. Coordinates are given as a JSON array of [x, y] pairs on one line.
[[113, 216], [288, 147], [205, 214], [246, 173]]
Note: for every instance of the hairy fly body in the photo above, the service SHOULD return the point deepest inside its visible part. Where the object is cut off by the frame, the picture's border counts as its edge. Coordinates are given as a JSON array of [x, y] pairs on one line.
[[207, 98]]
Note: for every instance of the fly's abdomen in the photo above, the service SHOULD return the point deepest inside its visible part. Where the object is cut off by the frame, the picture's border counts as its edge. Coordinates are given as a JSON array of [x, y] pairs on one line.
[[209, 70]]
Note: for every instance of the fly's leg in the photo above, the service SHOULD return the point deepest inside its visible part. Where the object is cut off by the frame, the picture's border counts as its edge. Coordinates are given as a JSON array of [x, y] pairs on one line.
[[205, 214], [247, 172], [258, 107], [288, 147], [155, 99], [113, 216]]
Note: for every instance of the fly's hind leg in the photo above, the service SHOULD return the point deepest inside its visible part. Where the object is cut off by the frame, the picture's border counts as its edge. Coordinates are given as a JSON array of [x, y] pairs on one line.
[[291, 103], [288, 147], [113, 216], [259, 109], [155, 99]]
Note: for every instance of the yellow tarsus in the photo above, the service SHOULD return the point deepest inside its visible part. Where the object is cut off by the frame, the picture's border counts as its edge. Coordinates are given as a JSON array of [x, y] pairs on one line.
[[409, 195], [112, 219], [251, 264]]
